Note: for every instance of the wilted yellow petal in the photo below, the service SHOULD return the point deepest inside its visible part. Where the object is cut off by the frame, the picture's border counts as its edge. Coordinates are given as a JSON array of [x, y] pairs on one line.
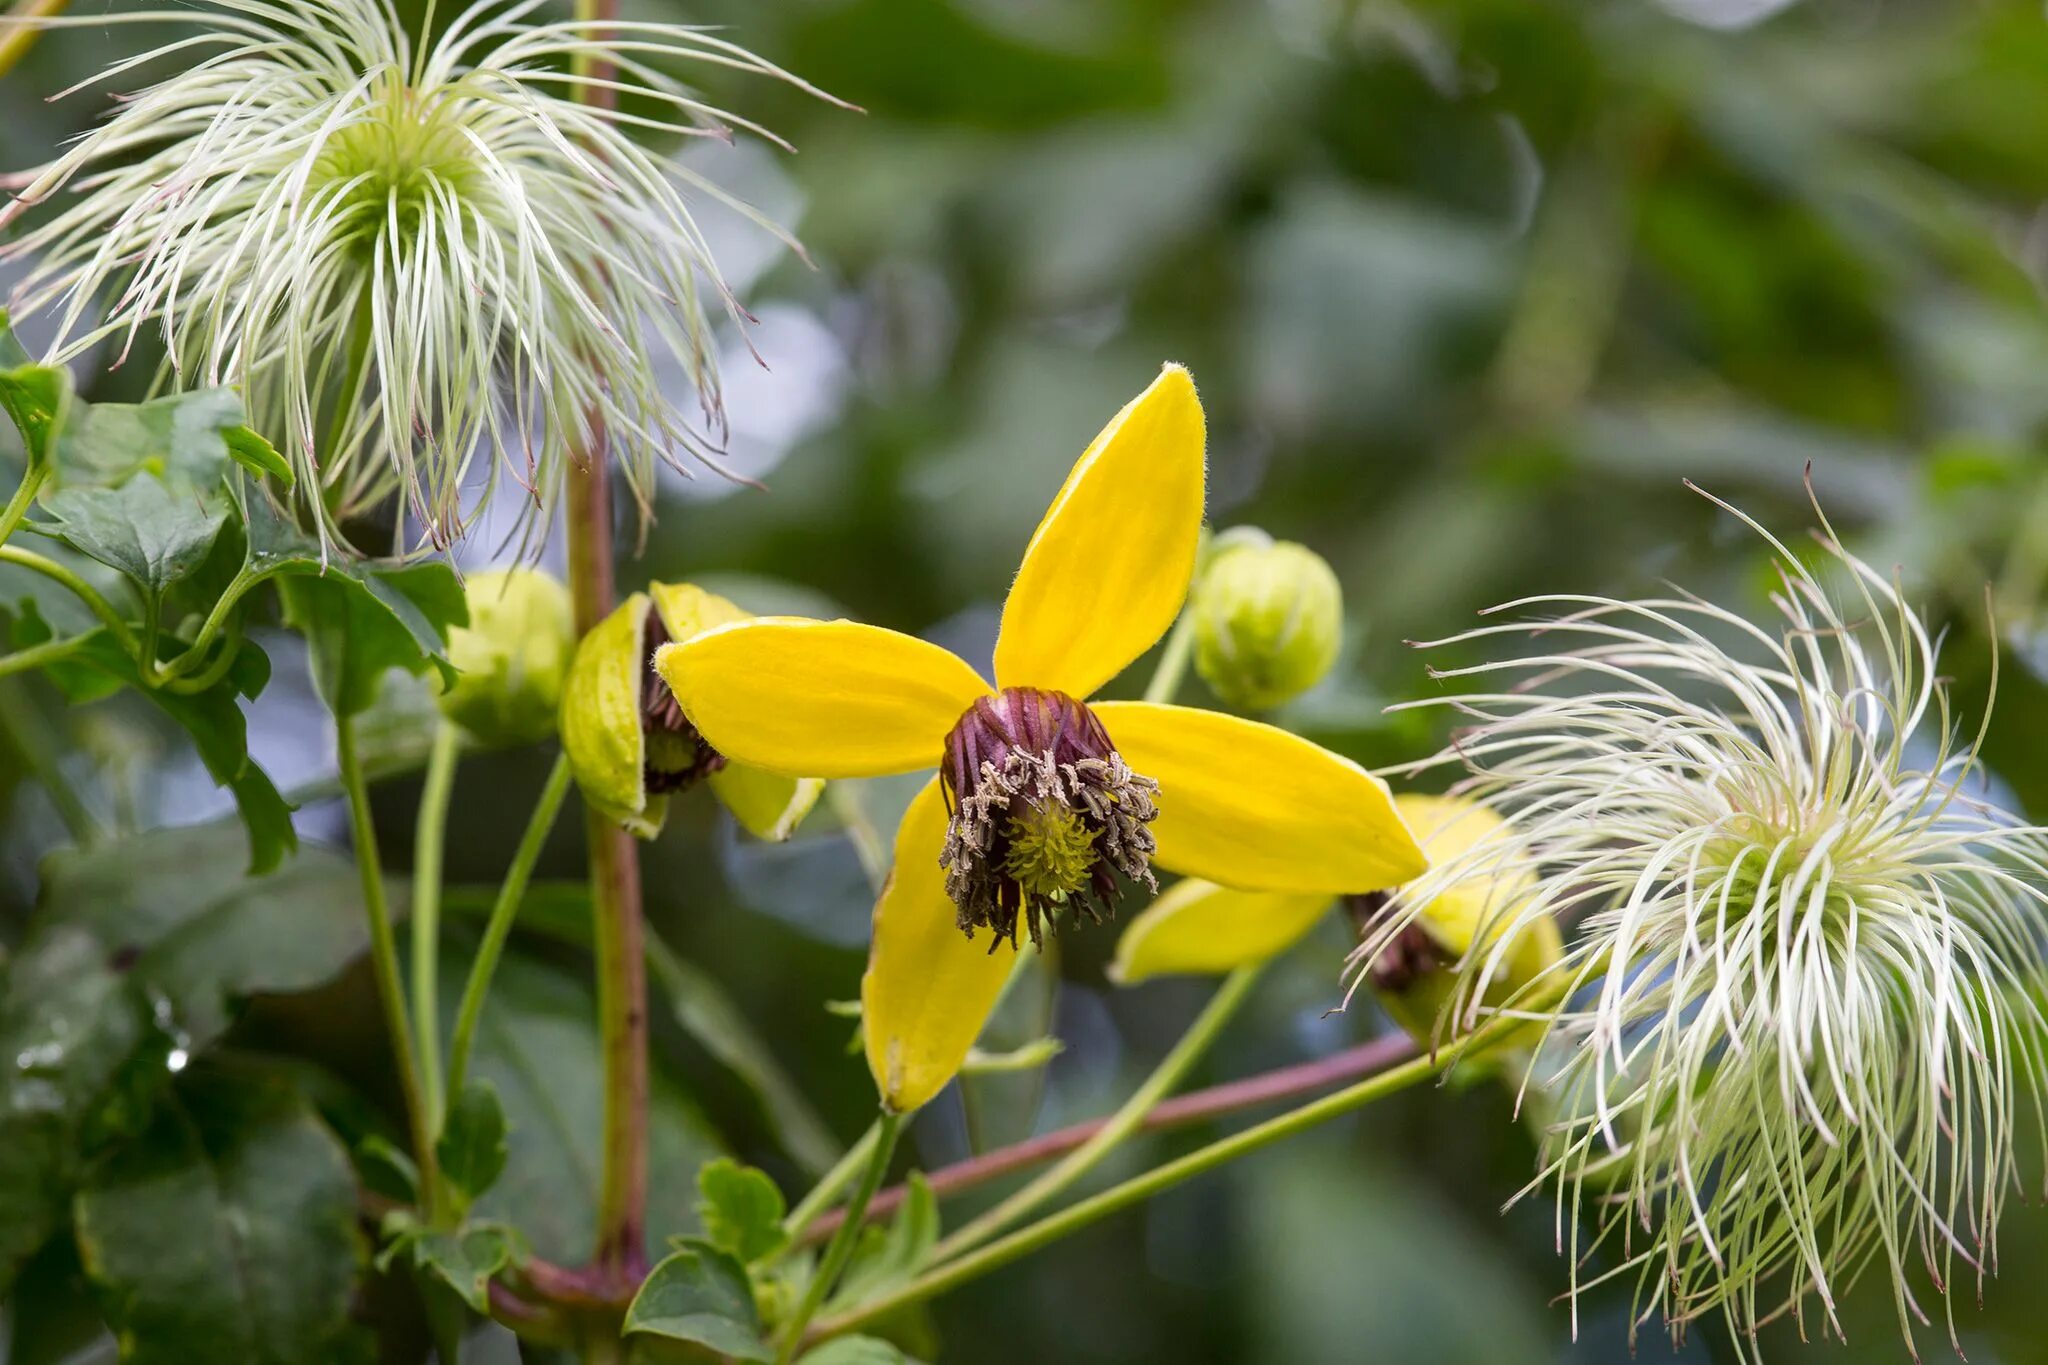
[[687, 610], [600, 718], [928, 988], [767, 805], [1109, 566], [819, 698], [1198, 926], [1250, 805]]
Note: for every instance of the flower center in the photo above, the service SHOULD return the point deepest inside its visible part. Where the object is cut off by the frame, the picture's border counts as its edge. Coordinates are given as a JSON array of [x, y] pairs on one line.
[[676, 756], [1045, 814], [406, 158]]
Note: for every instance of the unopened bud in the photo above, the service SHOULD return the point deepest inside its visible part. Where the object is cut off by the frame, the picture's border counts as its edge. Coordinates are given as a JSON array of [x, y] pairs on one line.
[[1269, 617], [511, 657]]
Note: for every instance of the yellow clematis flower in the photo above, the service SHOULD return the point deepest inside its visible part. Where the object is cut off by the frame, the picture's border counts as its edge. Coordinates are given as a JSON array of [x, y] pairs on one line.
[[628, 742], [1201, 928], [1042, 798]]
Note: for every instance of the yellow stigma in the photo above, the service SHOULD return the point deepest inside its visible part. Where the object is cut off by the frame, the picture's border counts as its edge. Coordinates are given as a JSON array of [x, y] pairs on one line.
[[1051, 851]]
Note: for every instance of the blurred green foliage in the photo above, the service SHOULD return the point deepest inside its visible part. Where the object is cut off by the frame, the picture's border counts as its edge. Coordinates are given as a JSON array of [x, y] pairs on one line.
[[1469, 288]]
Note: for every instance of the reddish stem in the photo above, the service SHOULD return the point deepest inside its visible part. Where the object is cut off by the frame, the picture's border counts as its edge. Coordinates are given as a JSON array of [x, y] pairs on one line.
[[1265, 1088]]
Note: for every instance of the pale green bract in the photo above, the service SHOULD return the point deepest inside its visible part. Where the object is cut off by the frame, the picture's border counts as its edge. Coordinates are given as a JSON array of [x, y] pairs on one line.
[[443, 235], [1801, 1031]]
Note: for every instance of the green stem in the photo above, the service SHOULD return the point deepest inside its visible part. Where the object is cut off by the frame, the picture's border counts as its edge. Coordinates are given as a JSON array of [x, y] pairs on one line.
[[1173, 661], [813, 1205], [499, 927], [840, 1250], [430, 837], [212, 626], [1072, 1219], [84, 591], [384, 948], [1128, 1118], [35, 476], [36, 656]]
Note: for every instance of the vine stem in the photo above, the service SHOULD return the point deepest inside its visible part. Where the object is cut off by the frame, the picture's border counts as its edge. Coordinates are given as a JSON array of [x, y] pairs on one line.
[[840, 1250], [1125, 1121], [498, 928], [814, 1204], [384, 948], [429, 840], [84, 591], [1268, 1087], [1076, 1216], [35, 476], [618, 935]]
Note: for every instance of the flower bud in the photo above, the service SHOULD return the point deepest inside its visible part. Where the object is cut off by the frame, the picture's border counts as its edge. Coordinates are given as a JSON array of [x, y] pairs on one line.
[[1415, 976], [630, 744], [511, 657], [1269, 617]]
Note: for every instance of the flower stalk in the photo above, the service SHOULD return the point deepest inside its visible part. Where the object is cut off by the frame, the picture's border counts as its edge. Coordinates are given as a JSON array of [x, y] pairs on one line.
[[430, 838], [1072, 1219], [840, 1250]]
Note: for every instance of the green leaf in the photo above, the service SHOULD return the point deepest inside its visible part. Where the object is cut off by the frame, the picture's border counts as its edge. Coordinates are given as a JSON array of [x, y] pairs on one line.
[[37, 397], [258, 456], [892, 1260], [387, 1170], [741, 1209], [701, 1295], [132, 963], [182, 439], [226, 1233], [213, 718], [538, 1044], [78, 1041], [472, 1143], [855, 1351], [142, 528], [466, 1261], [194, 933]]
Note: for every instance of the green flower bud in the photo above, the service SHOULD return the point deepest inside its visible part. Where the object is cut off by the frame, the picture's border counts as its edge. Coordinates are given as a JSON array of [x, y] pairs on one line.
[[1269, 617], [512, 657], [628, 741]]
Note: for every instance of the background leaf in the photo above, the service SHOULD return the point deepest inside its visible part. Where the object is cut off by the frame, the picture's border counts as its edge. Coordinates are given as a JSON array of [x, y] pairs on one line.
[[472, 1143], [226, 1233], [741, 1209], [701, 1295]]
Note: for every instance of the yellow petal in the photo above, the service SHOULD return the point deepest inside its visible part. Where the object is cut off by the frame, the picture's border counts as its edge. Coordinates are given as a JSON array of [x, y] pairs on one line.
[[1109, 566], [687, 610], [928, 988], [819, 698], [1200, 927], [767, 805], [1250, 805]]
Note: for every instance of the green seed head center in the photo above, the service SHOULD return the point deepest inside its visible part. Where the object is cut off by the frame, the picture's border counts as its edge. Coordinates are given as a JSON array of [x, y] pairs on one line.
[[1052, 851]]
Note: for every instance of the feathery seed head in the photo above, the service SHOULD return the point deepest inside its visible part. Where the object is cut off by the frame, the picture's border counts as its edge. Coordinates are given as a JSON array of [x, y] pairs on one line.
[[404, 256], [1800, 1023]]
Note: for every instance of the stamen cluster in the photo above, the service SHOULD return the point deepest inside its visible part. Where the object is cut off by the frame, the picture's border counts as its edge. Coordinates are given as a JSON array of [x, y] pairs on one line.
[[1801, 1015], [1045, 814], [677, 756]]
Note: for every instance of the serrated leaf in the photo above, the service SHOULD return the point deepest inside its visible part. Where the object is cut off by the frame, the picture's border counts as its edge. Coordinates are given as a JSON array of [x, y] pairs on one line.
[[701, 1295], [226, 1233], [142, 528], [741, 1209], [182, 439], [855, 1351], [466, 1261], [472, 1146]]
